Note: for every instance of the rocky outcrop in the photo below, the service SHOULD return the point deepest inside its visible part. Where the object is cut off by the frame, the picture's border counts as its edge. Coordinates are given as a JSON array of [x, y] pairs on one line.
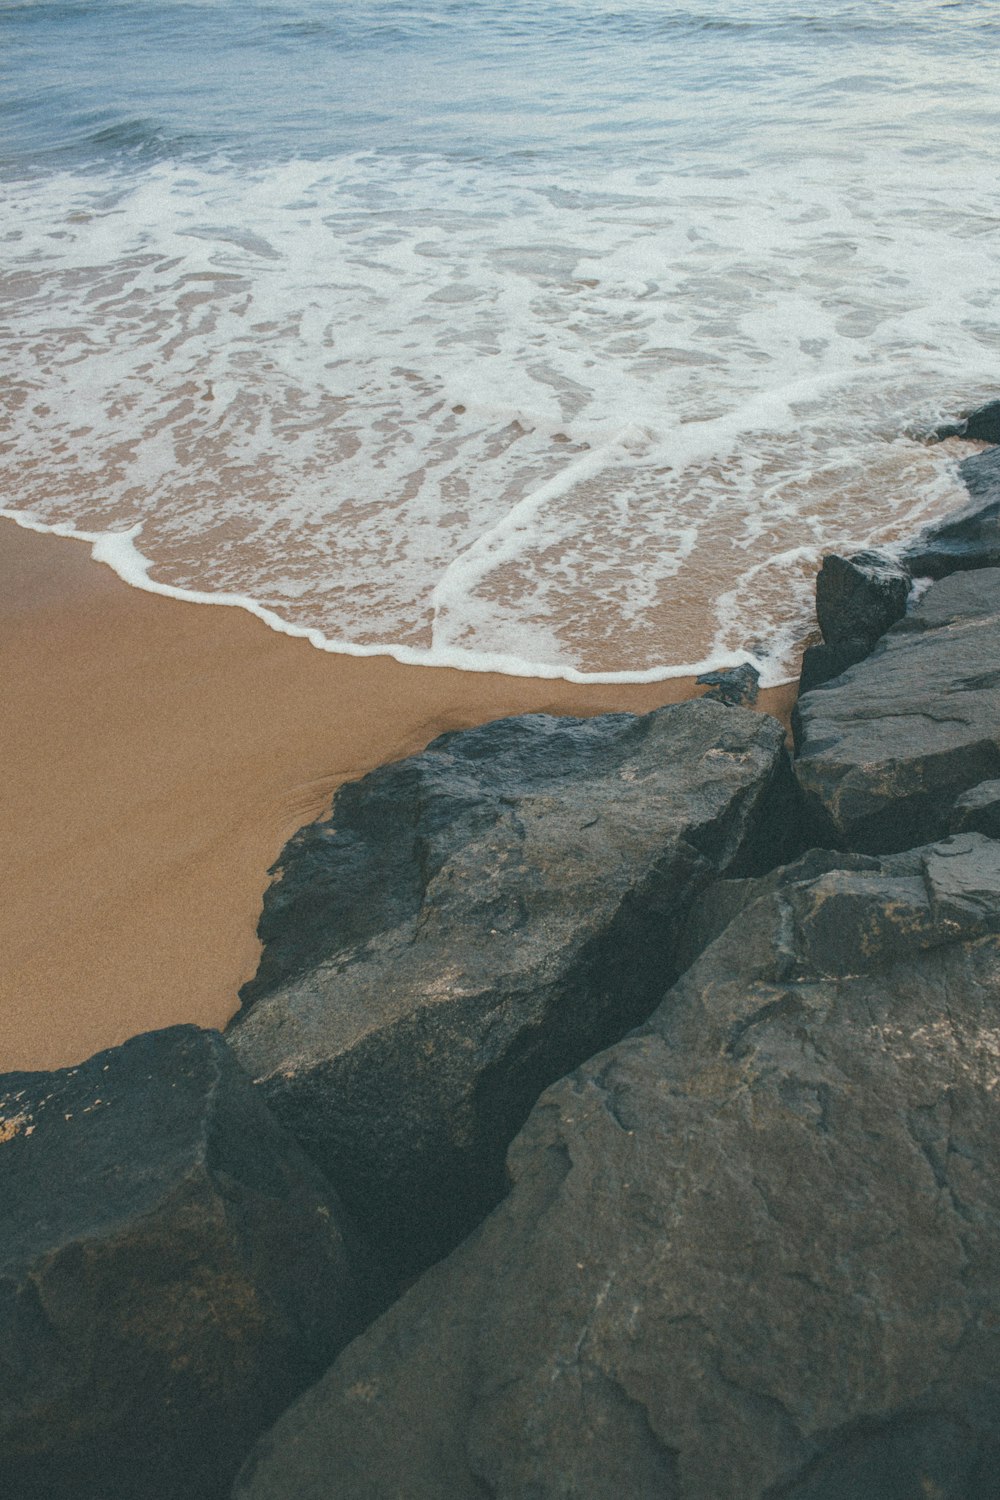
[[887, 748], [967, 538], [737, 686], [978, 810], [982, 425], [723, 900], [475, 920], [173, 1271], [749, 1252], [858, 598]]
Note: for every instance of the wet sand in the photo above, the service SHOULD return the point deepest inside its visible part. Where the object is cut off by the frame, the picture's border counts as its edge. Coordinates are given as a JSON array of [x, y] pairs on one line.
[[155, 756]]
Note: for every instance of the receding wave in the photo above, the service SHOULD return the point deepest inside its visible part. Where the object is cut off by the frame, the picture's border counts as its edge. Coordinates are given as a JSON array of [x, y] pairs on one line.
[[604, 429], [561, 339]]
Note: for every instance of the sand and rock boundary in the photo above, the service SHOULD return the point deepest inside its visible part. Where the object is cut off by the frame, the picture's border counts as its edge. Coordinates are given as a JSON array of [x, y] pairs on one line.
[[682, 1052]]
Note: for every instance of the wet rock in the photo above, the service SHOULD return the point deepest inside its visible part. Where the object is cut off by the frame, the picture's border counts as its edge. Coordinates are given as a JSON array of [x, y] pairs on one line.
[[749, 1251], [858, 598], [473, 921], [970, 537], [982, 425], [887, 748], [173, 1271], [732, 685]]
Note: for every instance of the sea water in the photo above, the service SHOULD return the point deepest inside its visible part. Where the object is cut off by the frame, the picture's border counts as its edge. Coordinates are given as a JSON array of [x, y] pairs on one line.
[[560, 338]]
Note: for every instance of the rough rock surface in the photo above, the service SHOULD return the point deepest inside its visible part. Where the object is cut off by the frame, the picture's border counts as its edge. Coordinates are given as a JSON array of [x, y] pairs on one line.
[[749, 1252], [723, 900], [978, 810], [732, 685], [821, 663], [983, 425], [860, 597], [472, 922], [885, 749], [172, 1273], [970, 537]]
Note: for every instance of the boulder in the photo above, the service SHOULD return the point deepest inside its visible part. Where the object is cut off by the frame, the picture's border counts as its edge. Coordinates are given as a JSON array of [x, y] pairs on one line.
[[732, 685], [472, 922], [978, 810], [821, 662], [851, 912], [969, 537], [173, 1271], [858, 598], [887, 748], [722, 901], [982, 425], [749, 1252]]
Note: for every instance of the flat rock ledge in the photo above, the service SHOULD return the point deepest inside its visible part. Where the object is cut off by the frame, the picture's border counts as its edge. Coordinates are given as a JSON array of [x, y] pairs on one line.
[[173, 1271], [472, 922], [970, 537], [887, 749], [749, 1252]]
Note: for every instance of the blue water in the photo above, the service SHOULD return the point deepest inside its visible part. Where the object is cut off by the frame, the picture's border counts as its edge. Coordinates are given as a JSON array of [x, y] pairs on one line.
[[126, 82], [555, 337]]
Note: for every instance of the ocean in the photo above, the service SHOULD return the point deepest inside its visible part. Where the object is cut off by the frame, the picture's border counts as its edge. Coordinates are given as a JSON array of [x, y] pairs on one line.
[[554, 338]]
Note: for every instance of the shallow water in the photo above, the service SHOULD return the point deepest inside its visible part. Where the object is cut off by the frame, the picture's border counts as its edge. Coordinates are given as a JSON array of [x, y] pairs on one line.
[[561, 339]]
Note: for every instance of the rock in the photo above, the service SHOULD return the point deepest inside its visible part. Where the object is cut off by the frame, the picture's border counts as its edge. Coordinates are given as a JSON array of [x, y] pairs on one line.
[[722, 901], [970, 537], [749, 1252], [473, 921], [173, 1271], [978, 810], [858, 598], [732, 685], [851, 913], [952, 602], [821, 663], [983, 425], [886, 748]]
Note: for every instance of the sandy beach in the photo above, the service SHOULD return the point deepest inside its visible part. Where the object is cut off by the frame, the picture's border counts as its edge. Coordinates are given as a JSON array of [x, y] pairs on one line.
[[156, 756]]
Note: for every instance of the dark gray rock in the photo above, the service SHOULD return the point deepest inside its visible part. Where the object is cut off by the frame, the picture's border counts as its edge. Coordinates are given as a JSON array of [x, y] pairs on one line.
[[978, 810], [722, 901], [732, 685], [953, 602], [970, 537], [851, 913], [749, 1252], [858, 598], [173, 1271], [982, 425], [821, 663], [886, 748], [473, 921]]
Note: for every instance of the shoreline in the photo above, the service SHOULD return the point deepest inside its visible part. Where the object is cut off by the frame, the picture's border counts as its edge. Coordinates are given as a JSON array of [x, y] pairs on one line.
[[157, 757], [117, 550]]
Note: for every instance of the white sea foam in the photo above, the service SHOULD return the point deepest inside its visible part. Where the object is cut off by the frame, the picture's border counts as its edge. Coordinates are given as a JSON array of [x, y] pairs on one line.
[[478, 415]]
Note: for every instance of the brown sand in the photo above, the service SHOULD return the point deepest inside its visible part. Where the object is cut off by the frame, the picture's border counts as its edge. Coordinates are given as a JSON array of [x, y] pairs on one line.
[[155, 757]]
